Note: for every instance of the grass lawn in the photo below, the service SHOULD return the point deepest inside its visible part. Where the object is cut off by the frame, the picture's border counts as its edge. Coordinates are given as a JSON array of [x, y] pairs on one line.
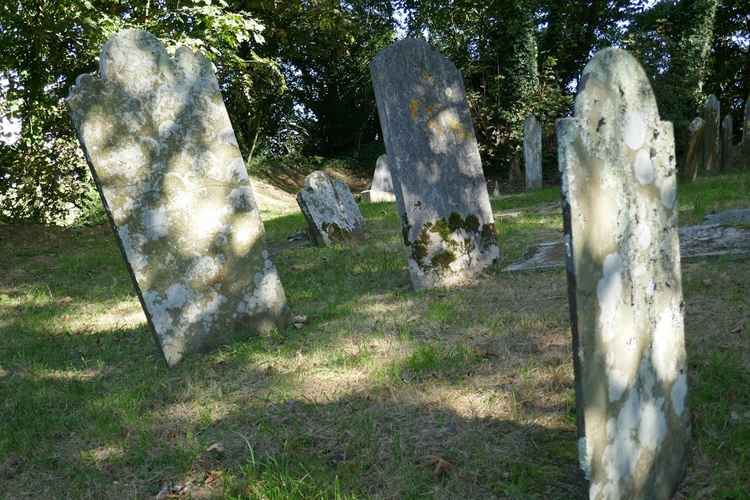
[[383, 393]]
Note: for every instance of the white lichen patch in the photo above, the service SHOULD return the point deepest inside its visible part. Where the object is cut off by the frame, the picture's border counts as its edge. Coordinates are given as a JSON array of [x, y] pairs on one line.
[[652, 428], [635, 129], [609, 294], [665, 350], [156, 223], [585, 452], [643, 167]]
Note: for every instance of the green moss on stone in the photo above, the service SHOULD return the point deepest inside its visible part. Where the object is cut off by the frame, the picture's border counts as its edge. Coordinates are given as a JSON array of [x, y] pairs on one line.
[[443, 259]]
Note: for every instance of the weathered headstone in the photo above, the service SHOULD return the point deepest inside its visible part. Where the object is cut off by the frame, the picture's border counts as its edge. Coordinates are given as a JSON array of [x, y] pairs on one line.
[[532, 152], [619, 186], [381, 189], [330, 210], [694, 155], [166, 162], [711, 134], [745, 156], [442, 195], [727, 146]]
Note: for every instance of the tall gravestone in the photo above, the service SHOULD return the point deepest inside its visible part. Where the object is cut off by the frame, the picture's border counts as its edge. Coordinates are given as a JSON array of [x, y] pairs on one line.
[[711, 134], [620, 215], [330, 210], [442, 195], [727, 146], [165, 159], [382, 187], [532, 152], [745, 156], [694, 155]]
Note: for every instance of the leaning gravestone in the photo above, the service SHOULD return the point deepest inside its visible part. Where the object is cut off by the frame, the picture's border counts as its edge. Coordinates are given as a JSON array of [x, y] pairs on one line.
[[711, 134], [330, 210], [619, 186], [727, 148], [694, 156], [442, 195], [532, 152], [165, 160], [381, 189]]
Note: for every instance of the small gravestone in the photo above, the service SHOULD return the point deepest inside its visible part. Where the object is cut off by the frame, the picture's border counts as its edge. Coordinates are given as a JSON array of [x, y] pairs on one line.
[[694, 155], [330, 210], [165, 160], [711, 134], [532, 152], [442, 195], [727, 148], [381, 189], [622, 250]]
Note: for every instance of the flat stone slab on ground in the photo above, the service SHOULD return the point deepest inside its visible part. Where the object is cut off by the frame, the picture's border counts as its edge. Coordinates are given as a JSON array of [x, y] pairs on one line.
[[330, 210], [705, 240], [729, 217], [166, 162]]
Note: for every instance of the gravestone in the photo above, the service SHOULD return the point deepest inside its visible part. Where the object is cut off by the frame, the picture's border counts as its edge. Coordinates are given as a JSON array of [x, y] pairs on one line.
[[694, 155], [727, 148], [622, 251], [745, 156], [381, 189], [711, 134], [442, 197], [166, 162], [532, 152], [330, 210]]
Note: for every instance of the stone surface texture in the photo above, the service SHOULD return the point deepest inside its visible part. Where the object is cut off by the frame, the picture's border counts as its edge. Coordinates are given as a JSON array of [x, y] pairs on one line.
[[330, 210], [619, 184], [381, 189], [694, 155], [532, 152], [727, 146], [165, 159], [711, 134], [441, 194]]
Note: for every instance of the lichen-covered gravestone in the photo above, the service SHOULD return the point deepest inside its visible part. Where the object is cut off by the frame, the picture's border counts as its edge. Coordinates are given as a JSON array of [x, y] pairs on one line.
[[694, 155], [727, 146], [165, 160], [711, 134], [330, 210], [532, 152], [619, 184], [442, 195], [381, 189]]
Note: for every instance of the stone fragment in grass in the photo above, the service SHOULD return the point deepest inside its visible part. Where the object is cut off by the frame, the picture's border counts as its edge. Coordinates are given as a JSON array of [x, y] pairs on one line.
[[711, 134], [381, 189], [619, 184], [330, 210], [532, 152], [165, 159], [441, 193]]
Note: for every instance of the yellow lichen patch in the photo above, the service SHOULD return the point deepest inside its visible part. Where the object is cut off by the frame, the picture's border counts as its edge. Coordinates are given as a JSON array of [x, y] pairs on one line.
[[414, 108]]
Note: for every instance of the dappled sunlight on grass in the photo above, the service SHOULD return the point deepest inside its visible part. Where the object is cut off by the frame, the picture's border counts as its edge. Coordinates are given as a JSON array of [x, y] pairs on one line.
[[378, 386]]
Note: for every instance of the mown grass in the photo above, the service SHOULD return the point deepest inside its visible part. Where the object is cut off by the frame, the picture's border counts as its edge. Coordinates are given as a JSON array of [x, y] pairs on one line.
[[383, 393]]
